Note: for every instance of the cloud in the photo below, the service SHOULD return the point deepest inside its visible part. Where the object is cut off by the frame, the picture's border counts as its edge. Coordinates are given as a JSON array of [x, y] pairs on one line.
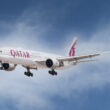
[[14, 86], [37, 92]]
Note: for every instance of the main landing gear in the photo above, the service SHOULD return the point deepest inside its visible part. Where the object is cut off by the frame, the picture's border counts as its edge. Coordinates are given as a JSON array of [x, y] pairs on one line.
[[28, 73], [53, 72]]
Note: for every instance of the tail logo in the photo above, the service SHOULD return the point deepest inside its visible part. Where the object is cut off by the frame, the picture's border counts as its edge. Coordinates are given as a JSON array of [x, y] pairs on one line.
[[72, 49]]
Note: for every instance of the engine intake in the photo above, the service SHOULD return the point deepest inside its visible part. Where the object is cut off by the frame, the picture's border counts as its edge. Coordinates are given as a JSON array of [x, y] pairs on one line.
[[8, 67], [49, 63], [52, 63], [5, 66]]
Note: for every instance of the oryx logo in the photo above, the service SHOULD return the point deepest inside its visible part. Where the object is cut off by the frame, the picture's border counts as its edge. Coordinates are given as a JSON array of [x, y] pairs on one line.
[[72, 49]]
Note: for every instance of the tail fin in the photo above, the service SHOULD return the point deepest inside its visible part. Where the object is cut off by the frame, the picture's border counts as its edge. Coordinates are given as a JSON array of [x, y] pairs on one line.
[[72, 49]]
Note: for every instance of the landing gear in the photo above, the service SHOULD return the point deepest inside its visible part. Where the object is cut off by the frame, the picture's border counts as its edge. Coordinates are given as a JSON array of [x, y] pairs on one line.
[[28, 73], [53, 72]]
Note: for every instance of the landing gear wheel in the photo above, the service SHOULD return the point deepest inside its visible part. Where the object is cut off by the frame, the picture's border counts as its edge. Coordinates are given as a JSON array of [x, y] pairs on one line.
[[53, 72], [28, 74], [50, 72], [31, 74]]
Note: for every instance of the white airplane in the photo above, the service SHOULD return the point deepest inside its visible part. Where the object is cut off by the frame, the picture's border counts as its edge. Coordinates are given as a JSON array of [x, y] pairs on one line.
[[11, 57]]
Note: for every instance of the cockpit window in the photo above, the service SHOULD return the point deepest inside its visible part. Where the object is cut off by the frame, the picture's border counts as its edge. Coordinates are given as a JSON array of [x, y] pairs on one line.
[[0, 51]]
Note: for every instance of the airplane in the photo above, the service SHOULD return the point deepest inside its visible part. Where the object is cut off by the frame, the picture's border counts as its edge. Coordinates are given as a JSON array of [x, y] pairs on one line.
[[11, 57]]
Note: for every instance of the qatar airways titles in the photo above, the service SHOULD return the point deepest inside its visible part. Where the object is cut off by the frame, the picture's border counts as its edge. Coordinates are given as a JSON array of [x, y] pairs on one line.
[[17, 53]]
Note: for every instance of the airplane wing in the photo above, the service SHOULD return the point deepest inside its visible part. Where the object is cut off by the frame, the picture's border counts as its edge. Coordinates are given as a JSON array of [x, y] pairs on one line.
[[82, 58], [76, 58], [40, 61]]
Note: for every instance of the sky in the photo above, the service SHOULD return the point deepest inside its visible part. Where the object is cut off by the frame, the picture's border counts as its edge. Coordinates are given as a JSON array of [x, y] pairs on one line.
[[50, 26]]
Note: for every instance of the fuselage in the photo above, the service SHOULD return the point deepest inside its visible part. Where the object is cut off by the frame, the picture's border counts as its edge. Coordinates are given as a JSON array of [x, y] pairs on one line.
[[23, 57], [11, 57]]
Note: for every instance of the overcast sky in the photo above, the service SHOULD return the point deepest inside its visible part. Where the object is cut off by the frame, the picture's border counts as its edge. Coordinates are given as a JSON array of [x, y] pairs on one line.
[[49, 26]]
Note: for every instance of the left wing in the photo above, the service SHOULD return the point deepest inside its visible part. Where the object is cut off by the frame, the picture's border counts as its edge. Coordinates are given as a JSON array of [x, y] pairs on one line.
[[71, 58], [76, 58]]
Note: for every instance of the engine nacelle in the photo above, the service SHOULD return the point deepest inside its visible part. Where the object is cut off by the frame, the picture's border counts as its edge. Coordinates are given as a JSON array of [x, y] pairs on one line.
[[52, 63], [8, 67]]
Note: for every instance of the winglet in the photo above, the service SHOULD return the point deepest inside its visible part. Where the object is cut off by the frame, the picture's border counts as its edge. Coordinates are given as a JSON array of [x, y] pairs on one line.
[[106, 52], [72, 48]]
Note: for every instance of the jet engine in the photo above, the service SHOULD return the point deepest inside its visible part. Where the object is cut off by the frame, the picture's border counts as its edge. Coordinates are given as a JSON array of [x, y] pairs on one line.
[[8, 67], [52, 63]]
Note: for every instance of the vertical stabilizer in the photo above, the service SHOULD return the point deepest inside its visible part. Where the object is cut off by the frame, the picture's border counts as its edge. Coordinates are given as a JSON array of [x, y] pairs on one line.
[[72, 48]]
